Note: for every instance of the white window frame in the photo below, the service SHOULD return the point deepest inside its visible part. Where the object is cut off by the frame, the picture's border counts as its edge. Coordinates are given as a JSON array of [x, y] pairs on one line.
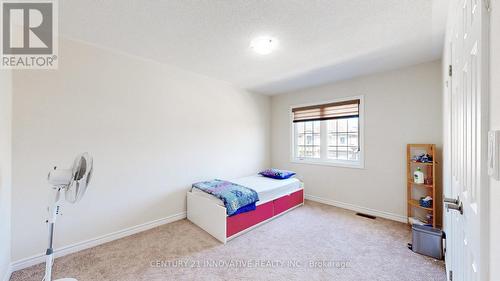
[[323, 160]]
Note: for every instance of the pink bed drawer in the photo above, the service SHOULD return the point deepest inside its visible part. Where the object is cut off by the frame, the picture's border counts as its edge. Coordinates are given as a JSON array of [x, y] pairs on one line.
[[243, 221], [288, 201]]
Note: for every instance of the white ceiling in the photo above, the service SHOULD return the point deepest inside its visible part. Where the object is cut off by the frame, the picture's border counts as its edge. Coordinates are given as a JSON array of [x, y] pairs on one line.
[[320, 40]]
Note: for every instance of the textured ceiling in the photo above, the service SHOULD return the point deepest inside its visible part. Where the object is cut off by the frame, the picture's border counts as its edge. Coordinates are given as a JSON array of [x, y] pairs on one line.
[[319, 40]]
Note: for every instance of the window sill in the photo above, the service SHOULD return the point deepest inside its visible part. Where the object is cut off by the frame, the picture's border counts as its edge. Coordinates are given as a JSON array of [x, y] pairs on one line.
[[341, 164]]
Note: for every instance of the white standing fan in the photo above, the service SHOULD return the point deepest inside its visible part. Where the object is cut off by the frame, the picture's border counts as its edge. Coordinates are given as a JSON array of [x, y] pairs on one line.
[[73, 182]]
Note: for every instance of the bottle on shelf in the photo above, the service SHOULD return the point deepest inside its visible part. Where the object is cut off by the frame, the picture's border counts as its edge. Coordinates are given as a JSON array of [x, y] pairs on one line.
[[418, 176]]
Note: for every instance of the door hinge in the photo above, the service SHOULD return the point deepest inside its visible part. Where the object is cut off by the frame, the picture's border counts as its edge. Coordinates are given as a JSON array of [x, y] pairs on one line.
[[450, 275], [487, 5], [450, 70]]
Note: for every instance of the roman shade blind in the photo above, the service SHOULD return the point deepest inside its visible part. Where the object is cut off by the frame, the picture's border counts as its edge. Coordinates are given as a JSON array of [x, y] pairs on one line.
[[335, 110]]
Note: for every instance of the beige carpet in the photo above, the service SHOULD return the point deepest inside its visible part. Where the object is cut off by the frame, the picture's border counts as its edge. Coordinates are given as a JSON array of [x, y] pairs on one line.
[[313, 242]]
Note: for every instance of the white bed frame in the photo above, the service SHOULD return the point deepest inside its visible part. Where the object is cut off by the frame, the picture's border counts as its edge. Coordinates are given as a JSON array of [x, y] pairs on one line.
[[212, 217]]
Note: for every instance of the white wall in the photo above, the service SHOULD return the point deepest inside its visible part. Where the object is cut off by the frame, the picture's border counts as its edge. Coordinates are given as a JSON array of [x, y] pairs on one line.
[[152, 129], [5, 169], [402, 106], [495, 125]]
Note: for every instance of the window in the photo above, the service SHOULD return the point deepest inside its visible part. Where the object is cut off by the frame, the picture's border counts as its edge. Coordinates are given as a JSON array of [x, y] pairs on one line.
[[329, 133], [308, 139]]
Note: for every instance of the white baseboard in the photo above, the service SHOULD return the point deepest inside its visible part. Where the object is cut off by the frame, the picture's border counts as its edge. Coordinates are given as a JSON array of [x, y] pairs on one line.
[[59, 252], [356, 208], [7, 275]]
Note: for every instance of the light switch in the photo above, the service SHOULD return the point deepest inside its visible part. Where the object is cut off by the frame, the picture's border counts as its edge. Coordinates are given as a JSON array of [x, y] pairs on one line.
[[494, 154]]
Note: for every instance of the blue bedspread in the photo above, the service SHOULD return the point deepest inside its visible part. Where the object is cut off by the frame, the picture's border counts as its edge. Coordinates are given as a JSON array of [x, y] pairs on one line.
[[233, 195]]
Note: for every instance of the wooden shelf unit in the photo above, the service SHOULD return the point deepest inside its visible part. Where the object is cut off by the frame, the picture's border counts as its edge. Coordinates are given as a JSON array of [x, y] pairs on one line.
[[428, 188]]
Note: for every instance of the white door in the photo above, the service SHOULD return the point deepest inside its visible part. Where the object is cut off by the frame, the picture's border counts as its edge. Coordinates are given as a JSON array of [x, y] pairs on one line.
[[466, 110]]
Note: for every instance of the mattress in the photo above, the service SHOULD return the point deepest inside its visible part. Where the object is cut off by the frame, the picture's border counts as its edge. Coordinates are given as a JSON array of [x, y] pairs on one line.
[[268, 189]]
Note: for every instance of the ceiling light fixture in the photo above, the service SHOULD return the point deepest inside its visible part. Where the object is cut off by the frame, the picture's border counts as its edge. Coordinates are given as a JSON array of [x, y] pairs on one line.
[[264, 45]]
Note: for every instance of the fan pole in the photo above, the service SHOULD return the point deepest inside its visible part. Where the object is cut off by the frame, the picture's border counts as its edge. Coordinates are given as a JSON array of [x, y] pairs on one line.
[[53, 210], [73, 182]]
